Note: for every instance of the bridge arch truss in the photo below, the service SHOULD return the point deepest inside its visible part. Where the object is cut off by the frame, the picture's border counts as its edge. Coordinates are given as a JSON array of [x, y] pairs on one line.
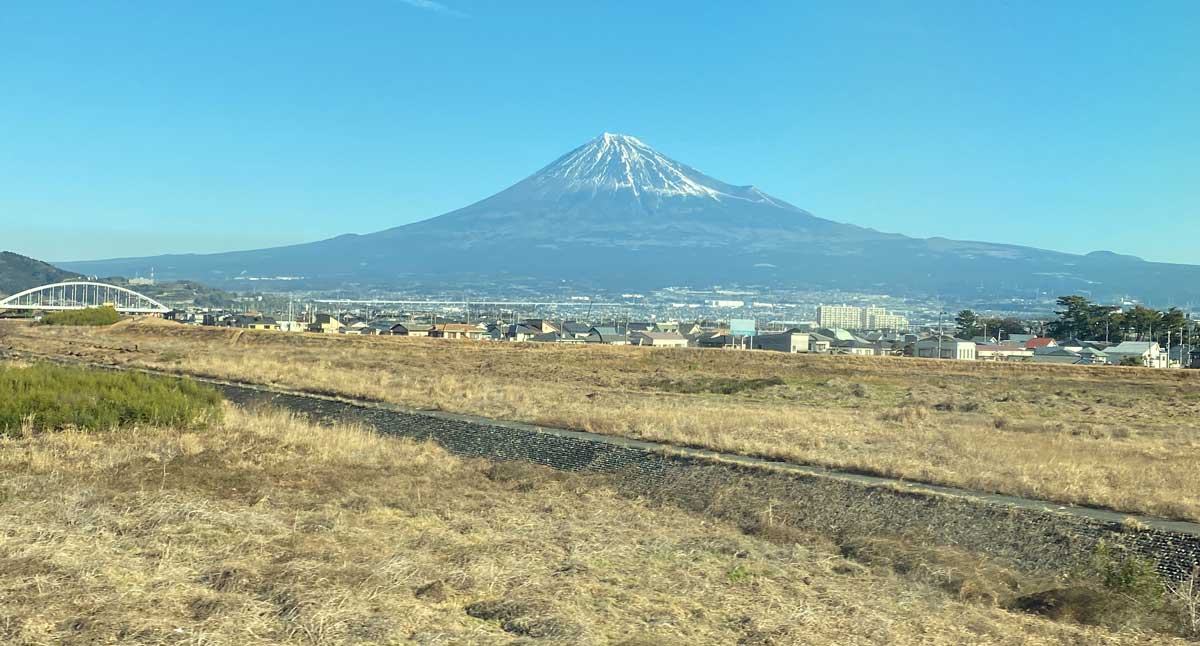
[[77, 295]]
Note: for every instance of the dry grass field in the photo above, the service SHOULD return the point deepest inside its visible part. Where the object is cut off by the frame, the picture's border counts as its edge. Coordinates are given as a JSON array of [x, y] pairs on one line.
[[1122, 438], [261, 529]]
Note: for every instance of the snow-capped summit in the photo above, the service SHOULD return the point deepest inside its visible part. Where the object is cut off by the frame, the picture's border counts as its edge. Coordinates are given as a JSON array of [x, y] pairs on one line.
[[623, 163]]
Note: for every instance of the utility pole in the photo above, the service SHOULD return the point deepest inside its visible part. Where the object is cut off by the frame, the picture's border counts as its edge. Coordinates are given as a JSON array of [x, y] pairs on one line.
[[941, 331]]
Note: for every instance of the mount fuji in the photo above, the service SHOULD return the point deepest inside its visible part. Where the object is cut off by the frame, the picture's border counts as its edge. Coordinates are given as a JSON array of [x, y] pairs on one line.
[[616, 213]]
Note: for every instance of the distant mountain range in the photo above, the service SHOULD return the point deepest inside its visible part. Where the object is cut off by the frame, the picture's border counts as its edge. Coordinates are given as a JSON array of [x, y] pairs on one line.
[[616, 213]]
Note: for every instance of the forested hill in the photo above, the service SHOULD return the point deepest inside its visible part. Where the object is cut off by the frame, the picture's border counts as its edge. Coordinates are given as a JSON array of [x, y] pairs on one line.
[[18, 273]]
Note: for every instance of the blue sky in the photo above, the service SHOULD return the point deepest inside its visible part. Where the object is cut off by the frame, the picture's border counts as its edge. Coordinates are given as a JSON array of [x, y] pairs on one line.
[[136, 128]]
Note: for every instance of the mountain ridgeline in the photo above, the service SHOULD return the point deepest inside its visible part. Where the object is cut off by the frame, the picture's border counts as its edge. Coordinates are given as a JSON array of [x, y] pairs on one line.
[[18, 273], [615, 213]]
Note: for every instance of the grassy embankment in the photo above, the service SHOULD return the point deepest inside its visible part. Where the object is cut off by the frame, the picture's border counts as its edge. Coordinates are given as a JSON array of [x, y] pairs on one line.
[[104, 315], [48, 398], [257, 528], [1122, 438]]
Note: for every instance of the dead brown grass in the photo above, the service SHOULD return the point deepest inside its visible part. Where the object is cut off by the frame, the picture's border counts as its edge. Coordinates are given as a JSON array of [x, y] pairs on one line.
[[267, 530], [1126, 439]]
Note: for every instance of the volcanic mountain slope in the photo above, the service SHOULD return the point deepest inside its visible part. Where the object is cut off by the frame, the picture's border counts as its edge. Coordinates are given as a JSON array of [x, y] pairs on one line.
[[616, 213]]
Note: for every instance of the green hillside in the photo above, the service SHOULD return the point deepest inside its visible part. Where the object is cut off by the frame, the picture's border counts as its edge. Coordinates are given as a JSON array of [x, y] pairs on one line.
[[18, 273]]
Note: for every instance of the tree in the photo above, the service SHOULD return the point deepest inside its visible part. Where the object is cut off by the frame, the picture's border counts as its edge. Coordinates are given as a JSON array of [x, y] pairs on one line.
[[1074, 319], [1173, 322], [1007, 326], [968, 324], [1143, 321], [1082, 319]]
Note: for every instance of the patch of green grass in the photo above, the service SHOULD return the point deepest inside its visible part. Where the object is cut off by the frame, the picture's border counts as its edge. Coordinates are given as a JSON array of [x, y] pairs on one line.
[[53, 398], [104, 315], [741, 573]]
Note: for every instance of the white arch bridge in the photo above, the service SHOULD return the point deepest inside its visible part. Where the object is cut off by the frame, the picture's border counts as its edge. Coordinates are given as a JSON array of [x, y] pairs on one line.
[[78, 295]]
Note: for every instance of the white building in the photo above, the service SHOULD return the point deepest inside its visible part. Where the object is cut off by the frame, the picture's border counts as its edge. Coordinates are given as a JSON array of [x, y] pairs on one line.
[[877, 318], [292, 326], [840, 316], [859, 318], [659, 339], [1149, 353], [945, 347], [996, 352]]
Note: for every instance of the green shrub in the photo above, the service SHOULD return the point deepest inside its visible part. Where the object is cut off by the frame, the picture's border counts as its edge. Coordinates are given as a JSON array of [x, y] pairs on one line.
[[1134, 577], [104, 315], [1116, 589], [52, 398]]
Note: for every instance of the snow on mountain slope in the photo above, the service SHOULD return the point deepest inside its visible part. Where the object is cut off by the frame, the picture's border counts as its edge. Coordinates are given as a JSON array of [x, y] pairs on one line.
[[614, 162], [617, 191]]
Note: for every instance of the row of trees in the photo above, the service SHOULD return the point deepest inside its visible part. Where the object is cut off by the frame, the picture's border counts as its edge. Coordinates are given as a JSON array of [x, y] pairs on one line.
[[1079, 318], [1082, 319], [972, 325]]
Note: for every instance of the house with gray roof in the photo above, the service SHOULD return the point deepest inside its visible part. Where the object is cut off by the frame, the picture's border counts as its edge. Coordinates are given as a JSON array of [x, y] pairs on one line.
[[791, 341], [1148, 353], [658, 339], [606, 334]]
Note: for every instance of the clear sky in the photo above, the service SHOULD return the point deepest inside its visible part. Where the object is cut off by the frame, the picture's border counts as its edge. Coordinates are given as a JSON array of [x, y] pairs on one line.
[[136, 128]]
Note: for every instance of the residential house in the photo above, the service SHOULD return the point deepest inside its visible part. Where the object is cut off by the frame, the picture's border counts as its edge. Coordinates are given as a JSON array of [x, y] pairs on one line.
[[1094, 356], [181, 316], [852, 346], [658, 339], [521, 332], [541, 325], [839, 334], [1018, 339], [554, 337], [292, 326], [1147, 353], [456, 331], [325, 323], [216, 318], [1040, 342], [997, 352], [944, 347], [606, 334], [410, 329], [791, 341], [819, 343], [721, 339], [1074, 345], [1056, 355], [253, 322], [575, 329], [889, 345]]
